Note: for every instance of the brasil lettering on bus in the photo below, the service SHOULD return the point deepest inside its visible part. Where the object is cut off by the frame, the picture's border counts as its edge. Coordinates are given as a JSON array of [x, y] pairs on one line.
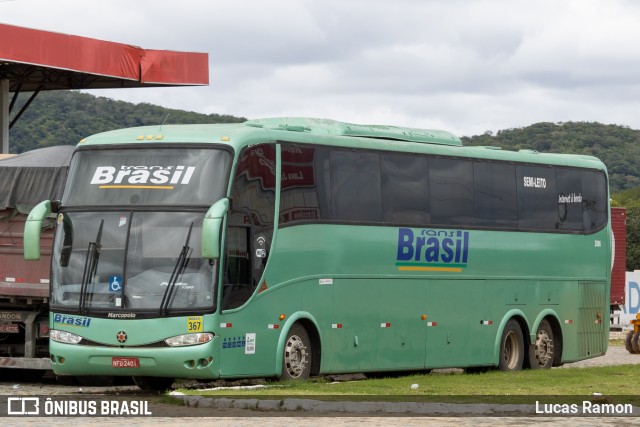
[[105, 175], [432, 248]]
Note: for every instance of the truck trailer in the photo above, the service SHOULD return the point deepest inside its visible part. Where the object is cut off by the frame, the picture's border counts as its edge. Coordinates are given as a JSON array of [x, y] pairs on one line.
[[25, 179]]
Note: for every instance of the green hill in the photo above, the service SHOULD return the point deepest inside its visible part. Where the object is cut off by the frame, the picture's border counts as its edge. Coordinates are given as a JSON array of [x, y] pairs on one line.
[[617, 146], [65, 117]]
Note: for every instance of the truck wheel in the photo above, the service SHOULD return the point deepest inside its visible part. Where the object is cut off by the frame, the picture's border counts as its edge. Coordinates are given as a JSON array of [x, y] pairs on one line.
[[541, 351], [296, 360], [511, 347], [634, 342], [627, 343], [153, 383]]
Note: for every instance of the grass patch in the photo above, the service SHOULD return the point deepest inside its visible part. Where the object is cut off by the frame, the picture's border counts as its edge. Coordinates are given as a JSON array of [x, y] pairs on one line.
[[489, 387]]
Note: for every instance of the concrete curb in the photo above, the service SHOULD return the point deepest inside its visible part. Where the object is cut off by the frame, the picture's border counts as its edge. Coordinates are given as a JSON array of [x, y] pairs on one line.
[[320, 406]]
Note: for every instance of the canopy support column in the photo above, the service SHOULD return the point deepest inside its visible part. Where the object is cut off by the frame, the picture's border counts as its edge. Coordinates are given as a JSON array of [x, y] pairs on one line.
[[4, 116]]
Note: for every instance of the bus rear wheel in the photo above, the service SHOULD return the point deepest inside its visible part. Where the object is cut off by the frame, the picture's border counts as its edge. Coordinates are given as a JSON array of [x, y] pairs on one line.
[[153, 383], [296, 360], [541, 351], [511, 347]]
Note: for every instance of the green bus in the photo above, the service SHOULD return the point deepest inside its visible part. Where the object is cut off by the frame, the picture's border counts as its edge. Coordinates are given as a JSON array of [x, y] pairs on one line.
[[293, 247]]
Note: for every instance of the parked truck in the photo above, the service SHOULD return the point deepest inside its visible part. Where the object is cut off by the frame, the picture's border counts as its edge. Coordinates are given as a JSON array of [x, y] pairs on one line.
[[26, 179], [619, 267]]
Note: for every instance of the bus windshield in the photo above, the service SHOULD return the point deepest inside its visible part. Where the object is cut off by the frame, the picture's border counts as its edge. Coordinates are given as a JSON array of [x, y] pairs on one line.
[[134, 261], [129, 230]]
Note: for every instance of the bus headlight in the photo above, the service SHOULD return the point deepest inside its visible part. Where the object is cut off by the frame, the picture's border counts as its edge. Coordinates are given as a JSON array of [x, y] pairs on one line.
[[64, 337], [189, 339]]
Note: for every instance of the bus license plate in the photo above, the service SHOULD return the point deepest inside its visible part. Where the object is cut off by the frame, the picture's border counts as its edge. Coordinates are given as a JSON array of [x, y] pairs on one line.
[[125, 362]]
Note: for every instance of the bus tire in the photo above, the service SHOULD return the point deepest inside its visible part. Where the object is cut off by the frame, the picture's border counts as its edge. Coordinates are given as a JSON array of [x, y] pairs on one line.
[[153, 383], [511, 347], [634, 342], [541, 351], [296, 359], [627, 343]]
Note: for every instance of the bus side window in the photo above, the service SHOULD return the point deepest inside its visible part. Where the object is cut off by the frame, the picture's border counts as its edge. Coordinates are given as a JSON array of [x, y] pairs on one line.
[[249, 224], [236, 290]]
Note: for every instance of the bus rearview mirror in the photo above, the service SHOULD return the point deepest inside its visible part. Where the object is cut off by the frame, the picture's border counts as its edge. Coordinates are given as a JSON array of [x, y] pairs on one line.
[[32, 227], [211, 227]]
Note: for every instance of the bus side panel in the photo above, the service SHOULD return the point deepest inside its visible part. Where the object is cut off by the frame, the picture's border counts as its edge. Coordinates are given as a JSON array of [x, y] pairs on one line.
[[402, 329], [263, 326], [377, 325], [250, 334], [455, 333], [584, 319], [356, 313]]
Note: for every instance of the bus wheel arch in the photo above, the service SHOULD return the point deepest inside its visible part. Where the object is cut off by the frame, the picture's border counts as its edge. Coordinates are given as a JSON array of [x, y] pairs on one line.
[[558, 339], [300, 331], [316, 347]]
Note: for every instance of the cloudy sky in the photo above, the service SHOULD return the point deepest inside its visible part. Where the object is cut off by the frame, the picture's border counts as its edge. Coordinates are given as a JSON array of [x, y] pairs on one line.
[[463, 66]]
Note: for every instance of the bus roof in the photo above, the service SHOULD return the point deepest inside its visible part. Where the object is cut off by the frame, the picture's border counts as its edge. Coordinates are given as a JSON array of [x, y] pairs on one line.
[[335, 128], [329, 132]]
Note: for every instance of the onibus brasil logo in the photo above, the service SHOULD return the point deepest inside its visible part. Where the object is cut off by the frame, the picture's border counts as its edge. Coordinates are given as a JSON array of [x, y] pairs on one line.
[[432, 250]]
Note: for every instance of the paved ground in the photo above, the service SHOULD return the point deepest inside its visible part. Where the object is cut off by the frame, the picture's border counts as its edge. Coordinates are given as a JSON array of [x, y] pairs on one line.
[[180, 416], [616, 355]]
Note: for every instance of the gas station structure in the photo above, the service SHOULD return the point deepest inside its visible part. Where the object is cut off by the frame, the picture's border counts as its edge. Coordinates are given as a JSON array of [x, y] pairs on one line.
[[36, 60]]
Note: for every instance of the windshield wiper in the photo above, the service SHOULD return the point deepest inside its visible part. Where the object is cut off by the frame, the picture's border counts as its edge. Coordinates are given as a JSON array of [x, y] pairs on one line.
[[178, 269], [90, 266]]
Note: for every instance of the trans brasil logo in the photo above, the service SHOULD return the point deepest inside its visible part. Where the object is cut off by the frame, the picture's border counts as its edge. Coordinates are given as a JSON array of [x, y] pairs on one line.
[[69, 320], [151, 177], [432, 250]]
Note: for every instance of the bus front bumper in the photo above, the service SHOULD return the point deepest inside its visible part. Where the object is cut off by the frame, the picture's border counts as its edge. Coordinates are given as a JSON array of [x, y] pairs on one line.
[[198, 361]]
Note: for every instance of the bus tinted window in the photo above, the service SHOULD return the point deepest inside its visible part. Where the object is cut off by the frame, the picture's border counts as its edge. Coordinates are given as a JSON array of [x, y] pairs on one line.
[[333, 184], [249, 224], [405, 189], [355, 186], [537, 203], [452, 193], [305, 180], [569, 188], [495, 188], [594, 200]]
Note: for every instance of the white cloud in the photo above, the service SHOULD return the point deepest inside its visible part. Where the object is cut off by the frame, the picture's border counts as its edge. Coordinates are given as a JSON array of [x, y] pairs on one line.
[[462, 66]]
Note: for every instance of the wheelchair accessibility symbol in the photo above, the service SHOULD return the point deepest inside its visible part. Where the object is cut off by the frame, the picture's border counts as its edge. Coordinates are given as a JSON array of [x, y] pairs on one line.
[[115, 283]]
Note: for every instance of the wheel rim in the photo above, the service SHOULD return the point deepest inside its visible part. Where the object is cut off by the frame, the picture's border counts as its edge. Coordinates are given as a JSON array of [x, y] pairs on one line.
[[295, 356], [511, 352], [543, 349]]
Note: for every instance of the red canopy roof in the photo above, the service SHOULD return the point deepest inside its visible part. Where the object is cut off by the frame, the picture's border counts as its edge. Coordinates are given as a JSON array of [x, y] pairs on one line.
[[32, 59]]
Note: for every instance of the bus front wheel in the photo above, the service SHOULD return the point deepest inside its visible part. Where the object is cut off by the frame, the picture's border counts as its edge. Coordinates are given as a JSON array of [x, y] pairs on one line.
[[541, 351], [153, 383], [511, 347], [296, 359]]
